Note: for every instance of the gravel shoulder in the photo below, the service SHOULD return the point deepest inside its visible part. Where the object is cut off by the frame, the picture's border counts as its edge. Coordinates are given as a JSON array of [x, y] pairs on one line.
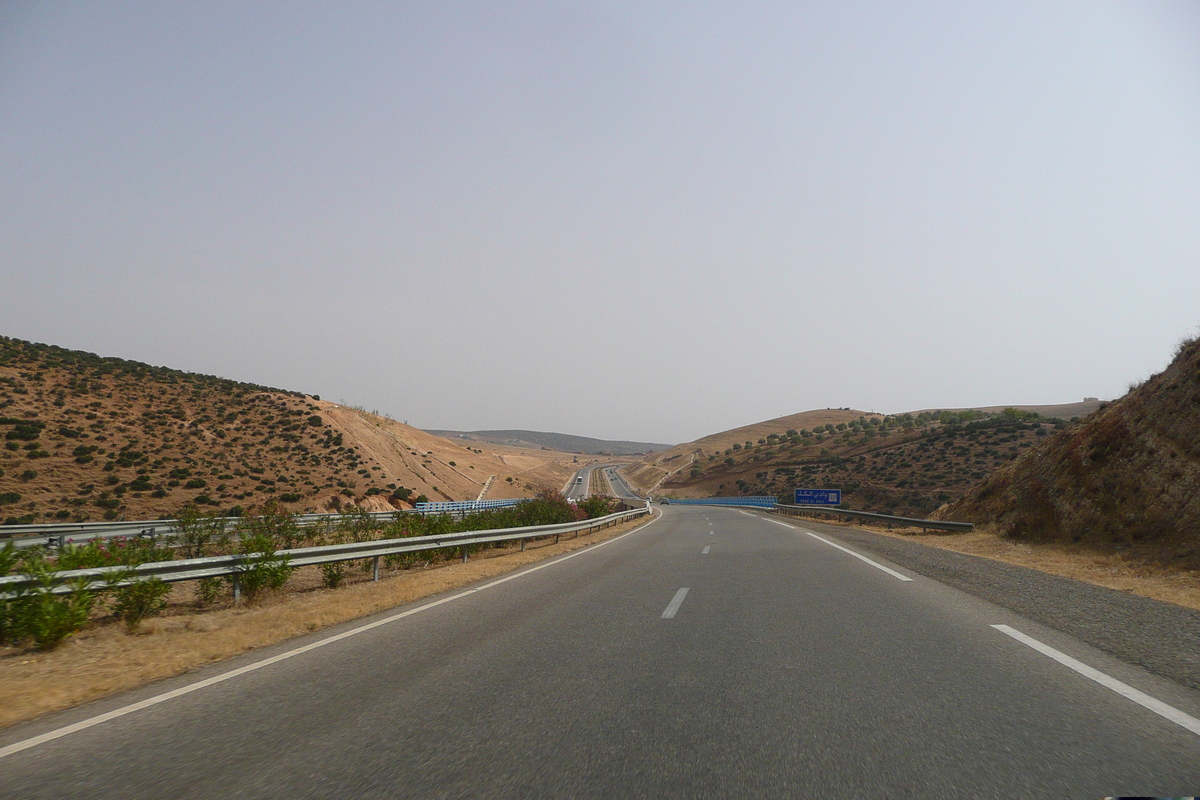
[[1161, 637]]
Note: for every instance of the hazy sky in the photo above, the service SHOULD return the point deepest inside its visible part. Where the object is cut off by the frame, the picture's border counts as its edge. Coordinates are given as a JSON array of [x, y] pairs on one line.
[[627, 220]]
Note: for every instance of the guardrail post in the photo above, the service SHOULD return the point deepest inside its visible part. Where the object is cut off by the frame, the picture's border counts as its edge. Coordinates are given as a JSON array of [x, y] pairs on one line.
[[375, 568], [237, 588], [464, 549], [556, 538], [522, 544]]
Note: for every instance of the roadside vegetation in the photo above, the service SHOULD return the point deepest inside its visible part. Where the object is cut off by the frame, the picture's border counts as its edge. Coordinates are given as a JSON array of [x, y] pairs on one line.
[[108, 655], [41, 619]]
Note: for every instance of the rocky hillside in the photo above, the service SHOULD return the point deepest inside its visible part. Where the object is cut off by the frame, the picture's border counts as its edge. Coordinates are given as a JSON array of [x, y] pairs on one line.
[[1126, 476], [87, 438]]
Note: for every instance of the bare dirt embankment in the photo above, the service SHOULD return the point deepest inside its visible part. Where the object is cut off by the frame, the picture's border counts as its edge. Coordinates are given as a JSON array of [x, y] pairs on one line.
[[1124, 480]]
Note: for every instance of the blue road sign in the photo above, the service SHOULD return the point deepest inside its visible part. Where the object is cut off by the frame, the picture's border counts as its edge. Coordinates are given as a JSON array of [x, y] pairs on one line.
[[818, 497]]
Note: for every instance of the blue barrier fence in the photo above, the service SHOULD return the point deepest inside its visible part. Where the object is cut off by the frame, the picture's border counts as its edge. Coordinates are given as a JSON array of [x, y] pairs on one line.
[[758, 502], [466, 505]]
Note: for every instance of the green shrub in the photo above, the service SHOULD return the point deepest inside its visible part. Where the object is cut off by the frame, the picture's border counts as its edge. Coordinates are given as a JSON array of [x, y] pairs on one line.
[[37, 612], [315, 420], [196, 483], [54, 618], [7, 499], [208, 590], [264, 569], [140, 599], [196, 531], [289, 497], [332, 574], [29, 474], [24, 430], [597, 505]]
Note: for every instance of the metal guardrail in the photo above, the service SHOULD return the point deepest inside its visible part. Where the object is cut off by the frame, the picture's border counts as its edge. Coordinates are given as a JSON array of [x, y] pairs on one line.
[[455, 506], [755, 501], [909, 522], [190, 569], [57, 534]]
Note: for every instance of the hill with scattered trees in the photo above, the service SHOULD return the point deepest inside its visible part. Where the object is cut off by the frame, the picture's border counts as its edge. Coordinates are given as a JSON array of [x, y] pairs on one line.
[[905, 464], [87, 438]]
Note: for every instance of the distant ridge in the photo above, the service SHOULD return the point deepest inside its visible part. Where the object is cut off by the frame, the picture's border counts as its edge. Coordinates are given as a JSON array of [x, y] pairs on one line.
[[562, 442]]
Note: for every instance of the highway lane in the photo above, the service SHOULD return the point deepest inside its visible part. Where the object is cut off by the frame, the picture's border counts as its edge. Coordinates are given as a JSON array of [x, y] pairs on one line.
[[787, 667], [620, 486], [579, 489]]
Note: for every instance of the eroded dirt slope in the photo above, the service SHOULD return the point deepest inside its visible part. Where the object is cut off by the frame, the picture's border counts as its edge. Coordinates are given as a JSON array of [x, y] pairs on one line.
[[1127, 476]]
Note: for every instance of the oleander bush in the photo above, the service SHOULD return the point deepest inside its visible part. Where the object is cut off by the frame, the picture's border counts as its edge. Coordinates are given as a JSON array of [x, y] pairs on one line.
[[140, 599]]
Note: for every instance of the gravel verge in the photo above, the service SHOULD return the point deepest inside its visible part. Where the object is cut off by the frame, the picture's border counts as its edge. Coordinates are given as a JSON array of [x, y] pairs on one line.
[[1160, 637]]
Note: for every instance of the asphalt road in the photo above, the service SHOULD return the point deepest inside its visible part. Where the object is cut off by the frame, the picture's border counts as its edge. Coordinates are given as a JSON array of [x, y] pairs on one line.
[[714, 653], [578, 490], [620, 486]]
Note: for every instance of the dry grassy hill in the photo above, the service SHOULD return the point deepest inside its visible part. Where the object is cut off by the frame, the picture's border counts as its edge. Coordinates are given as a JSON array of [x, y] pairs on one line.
[[907, 464], [89, 438], [1126, 477]]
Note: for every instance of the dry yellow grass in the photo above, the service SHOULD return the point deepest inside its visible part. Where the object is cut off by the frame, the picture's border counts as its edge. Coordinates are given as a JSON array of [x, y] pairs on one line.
[[104, 659]]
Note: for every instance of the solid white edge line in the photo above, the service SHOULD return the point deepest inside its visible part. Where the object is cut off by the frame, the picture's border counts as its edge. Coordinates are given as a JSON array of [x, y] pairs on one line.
[[859, 556], [50, 736], [675, 603], [1107, 681]]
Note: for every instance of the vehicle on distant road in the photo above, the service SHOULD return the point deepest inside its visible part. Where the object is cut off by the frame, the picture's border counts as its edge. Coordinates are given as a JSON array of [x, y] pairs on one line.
[[666, 501]]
